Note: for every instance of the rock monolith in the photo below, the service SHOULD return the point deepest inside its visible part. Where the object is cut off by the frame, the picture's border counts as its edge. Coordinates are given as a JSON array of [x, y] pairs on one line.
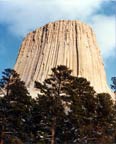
[[64, 42]]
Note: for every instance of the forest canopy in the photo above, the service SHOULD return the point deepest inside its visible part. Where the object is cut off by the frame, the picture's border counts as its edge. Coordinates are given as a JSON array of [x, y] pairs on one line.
[[67, 110]]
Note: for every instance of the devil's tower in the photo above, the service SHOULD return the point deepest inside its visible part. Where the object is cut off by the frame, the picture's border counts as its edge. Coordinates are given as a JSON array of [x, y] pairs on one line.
[[69, 43]]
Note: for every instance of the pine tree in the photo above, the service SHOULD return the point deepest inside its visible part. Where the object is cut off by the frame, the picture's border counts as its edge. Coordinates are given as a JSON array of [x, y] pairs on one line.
[[51, 101], [66, 108], [113, 85], [17, 103], [106, 119], [83, 107]]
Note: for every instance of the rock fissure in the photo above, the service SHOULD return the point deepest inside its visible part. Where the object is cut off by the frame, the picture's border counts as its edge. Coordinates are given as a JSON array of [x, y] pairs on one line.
[[64, 42]]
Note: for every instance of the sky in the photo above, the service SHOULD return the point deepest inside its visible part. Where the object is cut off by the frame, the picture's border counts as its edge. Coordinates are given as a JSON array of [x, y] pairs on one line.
[[17, 18]]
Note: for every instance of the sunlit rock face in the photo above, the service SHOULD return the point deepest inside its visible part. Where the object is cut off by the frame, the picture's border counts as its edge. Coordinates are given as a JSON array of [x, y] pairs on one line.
[[65, 42]]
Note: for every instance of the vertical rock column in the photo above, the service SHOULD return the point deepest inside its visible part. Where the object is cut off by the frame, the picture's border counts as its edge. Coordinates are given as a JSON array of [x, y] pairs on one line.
[[69, 43]]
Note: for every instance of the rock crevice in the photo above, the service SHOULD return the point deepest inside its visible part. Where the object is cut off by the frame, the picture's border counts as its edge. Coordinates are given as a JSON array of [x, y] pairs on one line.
[[64, 42]]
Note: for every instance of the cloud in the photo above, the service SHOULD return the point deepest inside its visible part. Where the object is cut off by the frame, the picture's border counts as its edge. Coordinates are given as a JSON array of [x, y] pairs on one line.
[[24, 16], [104, 27]]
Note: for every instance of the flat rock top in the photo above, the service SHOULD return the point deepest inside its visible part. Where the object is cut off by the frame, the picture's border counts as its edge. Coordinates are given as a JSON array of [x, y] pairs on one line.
[[64, 42], [63, 22]]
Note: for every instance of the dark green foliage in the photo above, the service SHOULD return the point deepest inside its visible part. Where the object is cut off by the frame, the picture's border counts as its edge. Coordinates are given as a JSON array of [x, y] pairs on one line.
[[105, 118], [83, 108], [12, 140], [15, 105], [50, 102], [66, 111], [88, 116], [104, 107], [6, 77], [113, 85]]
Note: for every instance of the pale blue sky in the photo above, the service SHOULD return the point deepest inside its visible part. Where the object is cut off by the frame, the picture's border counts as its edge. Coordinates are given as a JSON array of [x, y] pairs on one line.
[[17, 18]]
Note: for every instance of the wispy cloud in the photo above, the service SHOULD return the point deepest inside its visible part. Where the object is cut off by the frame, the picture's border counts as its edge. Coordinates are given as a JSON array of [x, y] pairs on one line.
[[24, 16], [104, 27]]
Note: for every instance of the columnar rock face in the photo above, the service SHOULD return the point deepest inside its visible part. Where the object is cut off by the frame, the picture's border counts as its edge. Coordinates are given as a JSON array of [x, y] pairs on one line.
[[69, 43]]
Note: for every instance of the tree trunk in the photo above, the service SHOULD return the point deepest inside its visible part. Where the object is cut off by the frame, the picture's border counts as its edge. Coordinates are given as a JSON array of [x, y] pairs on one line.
[[53, 131], [1, 141]]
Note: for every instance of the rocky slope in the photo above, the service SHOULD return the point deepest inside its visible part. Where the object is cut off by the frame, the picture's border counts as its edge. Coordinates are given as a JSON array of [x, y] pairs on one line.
[[64, 42]]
